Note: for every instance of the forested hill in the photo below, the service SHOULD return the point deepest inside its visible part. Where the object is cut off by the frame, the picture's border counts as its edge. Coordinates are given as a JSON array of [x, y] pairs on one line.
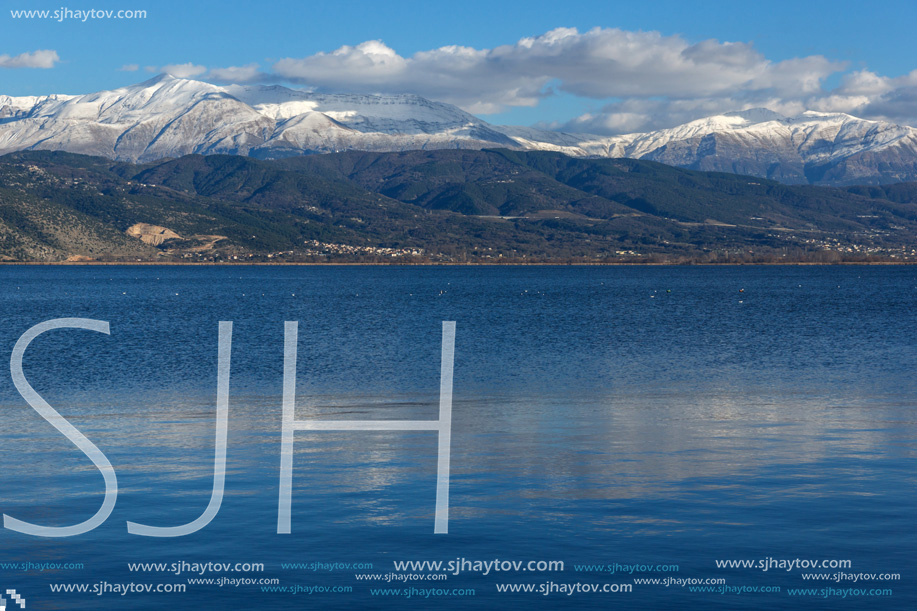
[[445, 205]]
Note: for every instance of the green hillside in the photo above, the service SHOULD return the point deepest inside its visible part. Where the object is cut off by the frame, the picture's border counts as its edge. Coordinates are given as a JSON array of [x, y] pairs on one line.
[[418, 206]]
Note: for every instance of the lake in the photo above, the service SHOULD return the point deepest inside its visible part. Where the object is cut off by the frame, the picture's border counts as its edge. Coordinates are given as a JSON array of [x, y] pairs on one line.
[[673, 421]]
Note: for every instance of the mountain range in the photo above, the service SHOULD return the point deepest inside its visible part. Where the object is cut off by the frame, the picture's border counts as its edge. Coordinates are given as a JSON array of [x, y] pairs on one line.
[[492, 205], [169, 117]]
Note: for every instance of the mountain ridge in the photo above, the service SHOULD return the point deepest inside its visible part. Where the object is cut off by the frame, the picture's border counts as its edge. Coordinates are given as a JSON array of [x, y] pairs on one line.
[[169, 117]]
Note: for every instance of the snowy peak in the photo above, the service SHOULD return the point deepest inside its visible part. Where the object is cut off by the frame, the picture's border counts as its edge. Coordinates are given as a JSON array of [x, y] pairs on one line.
[[366, 113], [159, 96], [756, 115], [814, 147]]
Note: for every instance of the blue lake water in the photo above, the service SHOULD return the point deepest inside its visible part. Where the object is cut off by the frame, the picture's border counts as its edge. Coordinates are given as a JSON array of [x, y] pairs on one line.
[[633, 415]]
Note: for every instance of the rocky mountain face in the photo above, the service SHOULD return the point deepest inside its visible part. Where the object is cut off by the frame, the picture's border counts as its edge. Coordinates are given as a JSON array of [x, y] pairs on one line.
[[169, 117]]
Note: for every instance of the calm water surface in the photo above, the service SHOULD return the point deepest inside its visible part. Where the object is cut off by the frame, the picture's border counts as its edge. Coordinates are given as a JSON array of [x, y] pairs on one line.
[[653, 416]]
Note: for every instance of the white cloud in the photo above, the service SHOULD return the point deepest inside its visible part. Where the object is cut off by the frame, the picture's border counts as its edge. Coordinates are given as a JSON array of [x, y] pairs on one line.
[[129, 68], [870, 95], [454, 74], [43, 58], [639, 115], [237, 74], [598, 64], [182, 70], [642, 80]]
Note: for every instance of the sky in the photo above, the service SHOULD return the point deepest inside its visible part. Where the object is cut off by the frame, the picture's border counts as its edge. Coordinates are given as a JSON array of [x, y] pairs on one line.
[[604, 67]]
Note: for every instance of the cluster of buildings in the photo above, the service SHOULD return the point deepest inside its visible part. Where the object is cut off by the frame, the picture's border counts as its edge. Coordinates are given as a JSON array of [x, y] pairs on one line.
[[314, 247]]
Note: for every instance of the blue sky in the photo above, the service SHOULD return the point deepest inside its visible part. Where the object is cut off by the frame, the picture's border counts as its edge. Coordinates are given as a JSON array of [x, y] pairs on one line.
[[649, 64]]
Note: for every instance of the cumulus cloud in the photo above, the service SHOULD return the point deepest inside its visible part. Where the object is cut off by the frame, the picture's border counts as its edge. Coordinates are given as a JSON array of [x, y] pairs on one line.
[[182, 70], [638, 115], [461, 75], [456, 74], [601, 63], [43, 58], [237, 74], [879, 97], [640, 80], [861, 93]]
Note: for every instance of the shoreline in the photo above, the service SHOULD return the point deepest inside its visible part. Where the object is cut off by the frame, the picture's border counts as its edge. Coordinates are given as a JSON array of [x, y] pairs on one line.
[[447, 264]]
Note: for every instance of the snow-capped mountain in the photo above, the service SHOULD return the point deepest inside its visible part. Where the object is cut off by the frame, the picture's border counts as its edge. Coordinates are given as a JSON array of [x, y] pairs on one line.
[[817, 148], [170, 117]]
